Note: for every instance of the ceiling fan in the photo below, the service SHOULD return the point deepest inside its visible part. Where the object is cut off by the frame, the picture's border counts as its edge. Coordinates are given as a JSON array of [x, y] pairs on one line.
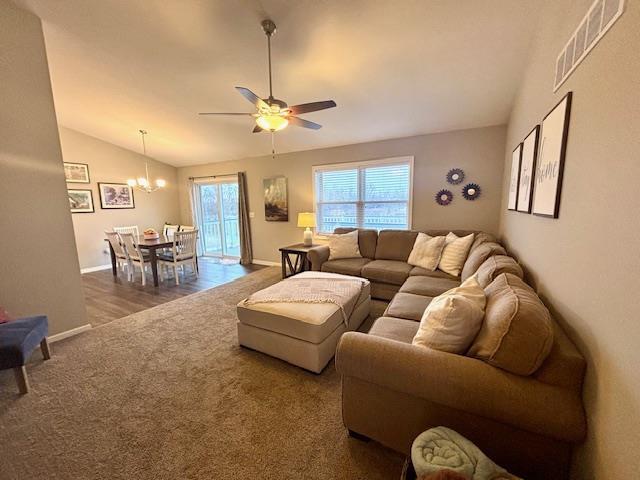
[[271, 113]]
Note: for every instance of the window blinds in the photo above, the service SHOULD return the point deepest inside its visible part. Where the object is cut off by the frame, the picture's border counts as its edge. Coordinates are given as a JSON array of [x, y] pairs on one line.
[[372, 195]]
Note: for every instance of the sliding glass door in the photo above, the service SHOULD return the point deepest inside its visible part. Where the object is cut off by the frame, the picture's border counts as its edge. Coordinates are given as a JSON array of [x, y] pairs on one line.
[[217, 204]]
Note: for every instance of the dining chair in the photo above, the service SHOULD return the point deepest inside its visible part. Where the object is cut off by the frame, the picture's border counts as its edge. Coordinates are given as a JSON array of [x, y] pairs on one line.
[[122, 261], [133, 229], [135, 256], [169, 230], [187, 228], [182, 253]]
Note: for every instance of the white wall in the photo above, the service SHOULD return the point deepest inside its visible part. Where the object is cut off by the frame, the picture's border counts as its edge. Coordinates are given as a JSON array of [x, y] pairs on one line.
[[586, 264], [479, 152], [112, 164], [39, 267]]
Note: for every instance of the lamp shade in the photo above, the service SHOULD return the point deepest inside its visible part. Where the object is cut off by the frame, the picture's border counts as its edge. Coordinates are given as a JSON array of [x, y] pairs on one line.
[[306, 219]]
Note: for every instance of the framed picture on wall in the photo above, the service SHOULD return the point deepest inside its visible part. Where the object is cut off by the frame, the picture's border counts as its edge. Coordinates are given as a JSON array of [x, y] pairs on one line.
[[276, 205], [516, 157], [527, 168], [550, 164], [81, 201], [116, 196], [76, 172]]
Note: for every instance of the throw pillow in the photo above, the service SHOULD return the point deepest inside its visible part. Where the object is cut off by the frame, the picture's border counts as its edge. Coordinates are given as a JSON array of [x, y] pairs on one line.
[[455, 253], [517, 332], [453, 319], [344, 245], [4, 316], [426, 251]]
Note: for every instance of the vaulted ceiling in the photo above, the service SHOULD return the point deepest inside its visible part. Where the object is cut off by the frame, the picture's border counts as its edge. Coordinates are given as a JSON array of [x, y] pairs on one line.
[[395, 68]]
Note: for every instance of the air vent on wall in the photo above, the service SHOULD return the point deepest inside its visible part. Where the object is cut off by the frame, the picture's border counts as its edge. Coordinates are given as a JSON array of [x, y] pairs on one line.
[[598, 20]]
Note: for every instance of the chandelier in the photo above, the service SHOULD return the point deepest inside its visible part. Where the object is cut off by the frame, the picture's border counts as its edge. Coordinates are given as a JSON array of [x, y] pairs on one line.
[[143, 183]]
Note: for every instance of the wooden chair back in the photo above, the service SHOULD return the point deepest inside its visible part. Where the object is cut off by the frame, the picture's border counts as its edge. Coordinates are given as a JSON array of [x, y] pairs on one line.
[[133, 229], [184, 244], [114, 241], [131, 246]]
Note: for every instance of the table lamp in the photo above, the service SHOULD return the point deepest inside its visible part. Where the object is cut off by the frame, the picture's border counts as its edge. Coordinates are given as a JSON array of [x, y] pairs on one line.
[[307, 220]]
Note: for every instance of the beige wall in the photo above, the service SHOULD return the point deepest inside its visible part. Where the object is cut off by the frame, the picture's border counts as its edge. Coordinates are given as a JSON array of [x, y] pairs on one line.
[[39, 267], [586, 263], [478, 152], [112, 164]]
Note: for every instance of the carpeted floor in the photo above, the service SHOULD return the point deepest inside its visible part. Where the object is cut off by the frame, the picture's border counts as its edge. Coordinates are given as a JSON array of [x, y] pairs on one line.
[[168, 394]]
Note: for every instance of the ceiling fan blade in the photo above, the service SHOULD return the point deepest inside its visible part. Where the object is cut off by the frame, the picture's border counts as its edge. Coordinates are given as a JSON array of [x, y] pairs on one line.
[[311, 107], [257, 129], [252, 97], [303, 123], [223, 113]]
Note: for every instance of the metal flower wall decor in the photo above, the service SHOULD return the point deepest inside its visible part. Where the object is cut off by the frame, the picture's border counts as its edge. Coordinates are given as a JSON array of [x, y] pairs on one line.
[[471, 191], [444, 197], [455, 176]]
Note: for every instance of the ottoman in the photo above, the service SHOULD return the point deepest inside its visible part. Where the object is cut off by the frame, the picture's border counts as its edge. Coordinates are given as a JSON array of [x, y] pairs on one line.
[[303, 334]]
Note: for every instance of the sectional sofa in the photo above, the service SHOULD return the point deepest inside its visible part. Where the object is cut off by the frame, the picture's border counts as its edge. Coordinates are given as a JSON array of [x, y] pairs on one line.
[[526, 417]]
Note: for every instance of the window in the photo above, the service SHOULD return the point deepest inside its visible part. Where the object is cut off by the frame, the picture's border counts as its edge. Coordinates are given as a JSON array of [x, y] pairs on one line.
[[374, 194]]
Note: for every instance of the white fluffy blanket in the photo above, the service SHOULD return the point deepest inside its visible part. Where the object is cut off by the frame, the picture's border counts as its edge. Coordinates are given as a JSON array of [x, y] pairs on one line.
[[314, 287], [442, 448]]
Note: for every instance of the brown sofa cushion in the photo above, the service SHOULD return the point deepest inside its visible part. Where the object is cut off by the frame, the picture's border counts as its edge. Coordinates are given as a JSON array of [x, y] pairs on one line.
[[495, 266], [423, 272], [480, 238], [478, 256], [345, 266], [395, 244], [367, 240], [396, 329], [517, 332], [387, 271], [428, 286], [407, 306]]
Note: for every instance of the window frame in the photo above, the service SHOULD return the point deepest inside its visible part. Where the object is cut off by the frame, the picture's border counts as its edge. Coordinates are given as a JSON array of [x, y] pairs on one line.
[[380, 162]]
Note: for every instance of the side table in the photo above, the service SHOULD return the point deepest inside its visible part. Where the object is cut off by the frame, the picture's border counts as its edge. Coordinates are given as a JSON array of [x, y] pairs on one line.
[[299, 262]]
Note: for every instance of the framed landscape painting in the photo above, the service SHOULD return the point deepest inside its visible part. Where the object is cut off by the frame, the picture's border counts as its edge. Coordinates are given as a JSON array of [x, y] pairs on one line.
[[516, 157], [80, 201], [76, 172], [527, 167], [276, 206], [550, 165], [115, 196]]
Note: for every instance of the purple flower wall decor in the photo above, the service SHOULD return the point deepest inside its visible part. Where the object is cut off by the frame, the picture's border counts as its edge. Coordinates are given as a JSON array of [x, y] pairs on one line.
[[444, 197], [471, 191], [455, 176]]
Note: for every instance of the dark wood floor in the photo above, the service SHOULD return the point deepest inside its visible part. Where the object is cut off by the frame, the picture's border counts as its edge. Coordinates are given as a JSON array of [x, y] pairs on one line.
[[109, 298]]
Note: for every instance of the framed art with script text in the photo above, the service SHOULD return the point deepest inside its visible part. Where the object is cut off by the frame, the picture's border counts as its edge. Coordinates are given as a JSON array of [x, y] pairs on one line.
[[516, 157], [527, 167], [550, 165]]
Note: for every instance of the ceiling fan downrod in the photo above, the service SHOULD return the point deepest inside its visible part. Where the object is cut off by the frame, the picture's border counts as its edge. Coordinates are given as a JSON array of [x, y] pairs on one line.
[[269, 28]]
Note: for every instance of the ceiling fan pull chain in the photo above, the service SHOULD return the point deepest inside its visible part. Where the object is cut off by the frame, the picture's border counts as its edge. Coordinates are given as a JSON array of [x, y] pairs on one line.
[[273, 146]]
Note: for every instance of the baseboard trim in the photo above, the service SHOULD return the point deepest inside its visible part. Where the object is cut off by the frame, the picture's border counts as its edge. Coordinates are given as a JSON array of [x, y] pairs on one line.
[[95, 269], [69, 333], [266, 263]]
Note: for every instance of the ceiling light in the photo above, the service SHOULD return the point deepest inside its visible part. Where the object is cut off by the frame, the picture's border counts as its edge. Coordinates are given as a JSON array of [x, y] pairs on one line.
[[272, 123], [143, 183]]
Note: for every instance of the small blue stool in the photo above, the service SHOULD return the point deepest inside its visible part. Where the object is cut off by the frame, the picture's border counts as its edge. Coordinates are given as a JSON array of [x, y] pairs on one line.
[[18, 339]]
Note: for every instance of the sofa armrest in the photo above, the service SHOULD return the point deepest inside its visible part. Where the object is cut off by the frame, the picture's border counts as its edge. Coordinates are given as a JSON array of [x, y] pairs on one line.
[[463, 383], [317, 256]]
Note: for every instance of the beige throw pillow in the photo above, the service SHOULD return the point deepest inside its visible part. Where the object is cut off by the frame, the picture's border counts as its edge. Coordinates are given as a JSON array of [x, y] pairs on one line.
[[453, 319], [344, 245], [517, 332], [455, 253], [426, 251]]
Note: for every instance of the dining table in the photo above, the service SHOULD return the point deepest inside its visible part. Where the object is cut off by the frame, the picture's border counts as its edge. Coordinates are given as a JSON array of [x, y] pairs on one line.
[[150, 245]]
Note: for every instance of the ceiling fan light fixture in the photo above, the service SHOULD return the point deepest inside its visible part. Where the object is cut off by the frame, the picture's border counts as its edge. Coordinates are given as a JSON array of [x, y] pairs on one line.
[[272, 123]]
